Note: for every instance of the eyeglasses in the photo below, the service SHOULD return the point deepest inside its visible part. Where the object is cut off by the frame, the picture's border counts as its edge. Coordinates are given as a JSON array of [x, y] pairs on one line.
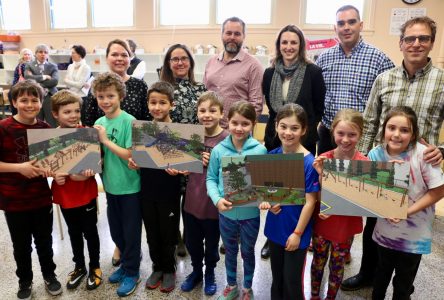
[[423, 39], [183, 59]]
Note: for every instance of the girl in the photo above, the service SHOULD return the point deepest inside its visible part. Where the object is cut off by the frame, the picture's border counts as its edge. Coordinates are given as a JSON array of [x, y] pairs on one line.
[[236, 222], [336, 232], [401, 243], [288, 228]]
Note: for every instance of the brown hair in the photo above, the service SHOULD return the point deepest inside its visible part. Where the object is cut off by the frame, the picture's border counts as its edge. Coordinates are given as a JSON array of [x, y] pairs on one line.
[[302, 55], [349, 7], [29, 87], [293, 110], [245, 109], [406, 112], [164, 88], [106, 80], [121, 43], [350, 116], [234, 20], [167, 74], [214, 99], [419, 20], [62, 98]]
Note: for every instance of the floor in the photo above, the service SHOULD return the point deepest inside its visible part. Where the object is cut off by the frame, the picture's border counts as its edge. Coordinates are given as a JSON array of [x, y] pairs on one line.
[[427, 286]]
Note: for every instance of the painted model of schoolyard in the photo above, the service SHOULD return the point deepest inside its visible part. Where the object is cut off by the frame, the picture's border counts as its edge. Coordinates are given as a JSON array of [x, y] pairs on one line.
[[278, 179], [158, 145], [65, 150], [365, 188]]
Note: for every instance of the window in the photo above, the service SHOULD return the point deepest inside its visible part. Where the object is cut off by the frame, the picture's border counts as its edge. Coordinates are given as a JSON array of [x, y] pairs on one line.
[[112, 13], [250, 11], [324, 11], [15, 14], [180, 12], [68, 14]]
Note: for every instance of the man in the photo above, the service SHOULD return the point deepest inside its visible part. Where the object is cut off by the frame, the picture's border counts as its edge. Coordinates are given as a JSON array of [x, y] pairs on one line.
[[137, 68], [234, 74], [349, 70], [418, 84], [46, 74]]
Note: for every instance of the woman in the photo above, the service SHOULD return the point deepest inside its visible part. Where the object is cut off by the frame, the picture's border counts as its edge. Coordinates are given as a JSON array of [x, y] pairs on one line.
[[78, 72], [135, 102], [25, 57], [178, 69], [293, 79]]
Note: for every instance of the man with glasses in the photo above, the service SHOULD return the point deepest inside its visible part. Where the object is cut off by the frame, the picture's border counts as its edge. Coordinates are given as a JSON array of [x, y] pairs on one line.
[[418, 84], [349, 70], [234, 74]]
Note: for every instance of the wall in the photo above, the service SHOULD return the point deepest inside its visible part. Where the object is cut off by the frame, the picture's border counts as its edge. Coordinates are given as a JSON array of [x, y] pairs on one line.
[[154, 39]]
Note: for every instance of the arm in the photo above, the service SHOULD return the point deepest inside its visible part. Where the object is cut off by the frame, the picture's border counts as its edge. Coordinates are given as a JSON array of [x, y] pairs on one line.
[[85, 73], [29, 74], [371, 116], [430, 198], [16, 73], [123, 153], [255, 88], [212, 180], [318, 94], [84, 175], [140, 70], [54, 77], [27, 169]]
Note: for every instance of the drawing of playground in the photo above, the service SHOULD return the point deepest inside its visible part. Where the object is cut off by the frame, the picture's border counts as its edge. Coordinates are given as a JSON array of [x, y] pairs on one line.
[[277, 179], [65, 150], [159, 145], [365, 188]]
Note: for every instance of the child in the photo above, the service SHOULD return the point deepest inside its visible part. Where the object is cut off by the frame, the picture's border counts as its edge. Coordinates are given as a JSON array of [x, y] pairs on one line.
[[288, 228], [334, 234], [122, 185], [24, 193], [236, 222], [401, 243], [76, 194], [161, 201], [201, 219]]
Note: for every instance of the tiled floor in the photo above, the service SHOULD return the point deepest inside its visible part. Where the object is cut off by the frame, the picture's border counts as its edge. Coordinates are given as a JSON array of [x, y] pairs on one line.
[[429, 281]]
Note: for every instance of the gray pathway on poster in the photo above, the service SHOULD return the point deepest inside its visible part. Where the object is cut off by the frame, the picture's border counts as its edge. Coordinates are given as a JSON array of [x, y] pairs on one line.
[[90, 161], [144, 161], [340, 205]]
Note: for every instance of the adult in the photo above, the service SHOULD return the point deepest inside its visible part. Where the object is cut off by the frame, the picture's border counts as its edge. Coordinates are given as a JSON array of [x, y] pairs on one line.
[[135, 102], [418, 84], [349, 70], [137, 66], [46, 74], [19, 72], [234, 74], [178, 69], [78, 72], [293, 79]]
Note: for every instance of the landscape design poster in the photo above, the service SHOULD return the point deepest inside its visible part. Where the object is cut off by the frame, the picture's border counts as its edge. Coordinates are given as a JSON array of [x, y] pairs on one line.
[[365, 188], [65, 150], [251, 179], [159, 145]]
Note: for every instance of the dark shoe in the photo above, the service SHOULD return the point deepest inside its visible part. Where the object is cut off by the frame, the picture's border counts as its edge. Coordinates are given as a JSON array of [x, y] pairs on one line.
[[168, 282], [25, 290], [115, 262], [75, 278], [154, 280], [265, 252], [355, 283], [222, 249], [53, 286], [94, 279], [210, 284], [191, 282]]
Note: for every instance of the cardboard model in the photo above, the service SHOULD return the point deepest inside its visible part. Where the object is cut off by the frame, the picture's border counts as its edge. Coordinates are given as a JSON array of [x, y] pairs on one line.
[[365, 188], [277, 179], [159, 145], [65, 150]]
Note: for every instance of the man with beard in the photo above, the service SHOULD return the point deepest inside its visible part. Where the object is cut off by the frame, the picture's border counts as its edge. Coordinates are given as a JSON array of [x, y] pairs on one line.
[[234, 74]]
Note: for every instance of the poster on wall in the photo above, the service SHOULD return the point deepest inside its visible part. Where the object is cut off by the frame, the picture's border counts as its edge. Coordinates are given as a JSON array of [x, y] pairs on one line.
[[400, 15], [316, 47]]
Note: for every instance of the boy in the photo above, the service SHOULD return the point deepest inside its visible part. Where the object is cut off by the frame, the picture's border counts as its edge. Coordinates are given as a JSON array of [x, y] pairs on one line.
[[76, 195], [200, 216], [122, 185], [24, 192]]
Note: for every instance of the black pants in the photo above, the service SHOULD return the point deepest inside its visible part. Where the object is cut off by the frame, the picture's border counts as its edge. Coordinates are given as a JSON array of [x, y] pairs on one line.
[[287, 268], [369, 260], [405, 266], [23, 227], [161, 219], [198, 231], [326, 142], [82, 222]]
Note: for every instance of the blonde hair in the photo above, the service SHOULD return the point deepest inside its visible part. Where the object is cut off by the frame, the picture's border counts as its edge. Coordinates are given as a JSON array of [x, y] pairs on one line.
[[350, 116]]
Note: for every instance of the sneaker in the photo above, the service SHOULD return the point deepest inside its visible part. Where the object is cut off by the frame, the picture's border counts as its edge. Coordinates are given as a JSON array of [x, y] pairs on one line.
[[247, 294], [117, 276], [94, 279], [168, 282], [53, 286], [128, 285], [154, 280], [25, 290], [191, 282], [229, 293], [210, 284], [75, 277]]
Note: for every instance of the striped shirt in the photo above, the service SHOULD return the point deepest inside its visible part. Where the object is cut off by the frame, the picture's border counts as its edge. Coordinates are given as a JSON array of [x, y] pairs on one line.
[[349, 79], [424, 93]]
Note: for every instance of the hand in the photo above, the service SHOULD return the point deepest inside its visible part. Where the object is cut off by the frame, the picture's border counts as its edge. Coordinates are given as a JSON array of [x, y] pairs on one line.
[[318, 164], [60, 178], [205, 158], [276, 209], [102, 133], [30, 170], [132, 164], [46, 77], [323, 216], [224, 205], [432, 154], [292, 242], [86, 85], [87, 173], [394, 220], [264, 205]]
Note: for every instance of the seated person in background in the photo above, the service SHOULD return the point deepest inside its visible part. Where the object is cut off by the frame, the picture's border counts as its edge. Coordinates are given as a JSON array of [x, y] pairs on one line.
[[137, 66]]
